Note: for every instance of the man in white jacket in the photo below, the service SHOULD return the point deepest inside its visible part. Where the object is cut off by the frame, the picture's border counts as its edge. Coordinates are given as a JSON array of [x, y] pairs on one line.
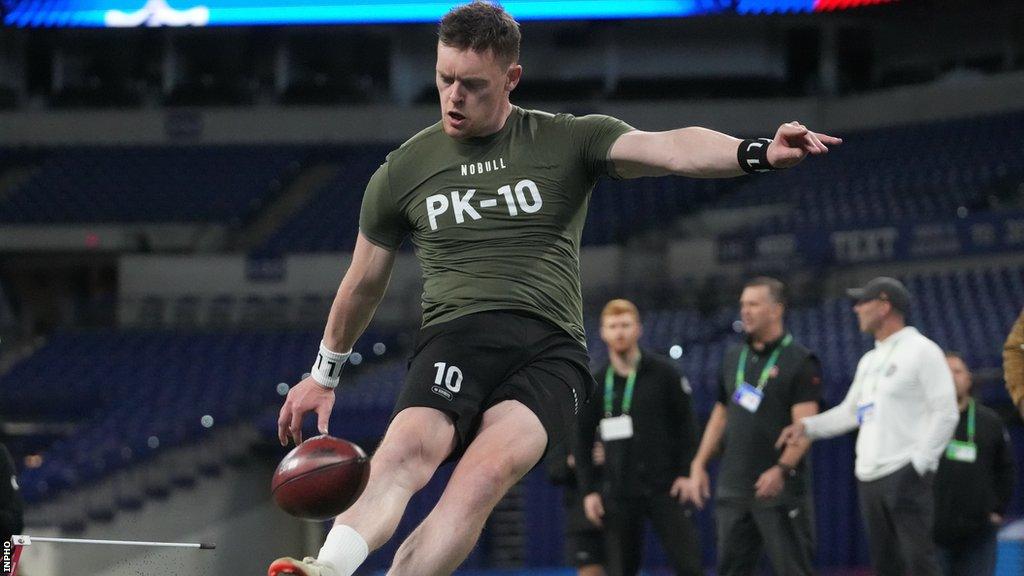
[[904, 402]]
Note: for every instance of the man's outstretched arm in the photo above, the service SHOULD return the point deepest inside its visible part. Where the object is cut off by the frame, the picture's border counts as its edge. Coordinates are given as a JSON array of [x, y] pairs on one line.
[[360, 292], [702, 153]]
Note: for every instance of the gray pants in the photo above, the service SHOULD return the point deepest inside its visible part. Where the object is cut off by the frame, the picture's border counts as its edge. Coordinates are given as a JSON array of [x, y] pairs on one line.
[[898, 512], [746, 529]]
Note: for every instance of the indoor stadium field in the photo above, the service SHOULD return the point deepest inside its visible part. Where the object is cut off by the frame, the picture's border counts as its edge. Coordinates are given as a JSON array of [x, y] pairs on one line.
[[184, 184]]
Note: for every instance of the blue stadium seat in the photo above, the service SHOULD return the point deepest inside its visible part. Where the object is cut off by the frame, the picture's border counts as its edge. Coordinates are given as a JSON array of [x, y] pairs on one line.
[[223, 184]]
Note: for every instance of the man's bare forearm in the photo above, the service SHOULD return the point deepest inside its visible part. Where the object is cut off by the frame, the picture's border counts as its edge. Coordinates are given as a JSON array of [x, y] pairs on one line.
[[703, 153], [357, 298], [350, 314], [795, 451], [712, 439], [695, 152]]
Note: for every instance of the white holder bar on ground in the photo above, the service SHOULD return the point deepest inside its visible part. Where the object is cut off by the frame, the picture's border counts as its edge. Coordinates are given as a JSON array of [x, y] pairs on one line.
[[26, 540]]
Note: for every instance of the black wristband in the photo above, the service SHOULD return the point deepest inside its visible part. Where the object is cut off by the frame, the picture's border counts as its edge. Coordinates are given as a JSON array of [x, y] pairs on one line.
[[752, 155], [786, 468]]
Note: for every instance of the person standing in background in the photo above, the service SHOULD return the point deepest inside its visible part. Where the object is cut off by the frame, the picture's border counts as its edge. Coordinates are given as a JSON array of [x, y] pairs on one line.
[[973, 484], [904, 403], [763, 501], [644, 420]]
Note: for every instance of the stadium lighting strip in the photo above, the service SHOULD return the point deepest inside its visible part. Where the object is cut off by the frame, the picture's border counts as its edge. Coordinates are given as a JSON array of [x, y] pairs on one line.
[[197, 13]]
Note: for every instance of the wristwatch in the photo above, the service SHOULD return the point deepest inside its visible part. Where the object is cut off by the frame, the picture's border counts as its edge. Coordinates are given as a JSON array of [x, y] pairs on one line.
[[786, 469]]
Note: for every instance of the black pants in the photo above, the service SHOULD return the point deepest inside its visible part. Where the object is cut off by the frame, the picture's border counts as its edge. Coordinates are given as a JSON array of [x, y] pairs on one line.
[[785, 531], [898, 512], [624, 529], [973, 557]]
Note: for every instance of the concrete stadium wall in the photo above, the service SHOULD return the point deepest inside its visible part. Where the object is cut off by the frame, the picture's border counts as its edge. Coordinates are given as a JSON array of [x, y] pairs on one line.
[[110, 237], [209, 276], [171, 276]]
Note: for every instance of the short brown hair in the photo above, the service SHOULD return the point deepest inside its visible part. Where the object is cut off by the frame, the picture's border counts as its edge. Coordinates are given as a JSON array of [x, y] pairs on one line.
[[950, 354], [620, 306], [481, 26], [776, 289]]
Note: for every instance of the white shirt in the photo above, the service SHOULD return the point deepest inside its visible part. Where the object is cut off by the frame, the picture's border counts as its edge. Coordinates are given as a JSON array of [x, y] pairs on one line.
[[907, 379]]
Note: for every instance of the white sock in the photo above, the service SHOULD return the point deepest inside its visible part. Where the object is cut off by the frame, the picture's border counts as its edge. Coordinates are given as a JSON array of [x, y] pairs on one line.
[[344, 549]]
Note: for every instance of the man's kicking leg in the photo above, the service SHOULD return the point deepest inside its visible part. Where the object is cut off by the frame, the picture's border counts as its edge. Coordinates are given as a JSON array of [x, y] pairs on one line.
[[415, 444], [511, 440]]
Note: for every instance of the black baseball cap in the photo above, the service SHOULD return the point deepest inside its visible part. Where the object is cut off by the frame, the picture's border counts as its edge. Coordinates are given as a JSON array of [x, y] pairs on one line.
[[883, 288]]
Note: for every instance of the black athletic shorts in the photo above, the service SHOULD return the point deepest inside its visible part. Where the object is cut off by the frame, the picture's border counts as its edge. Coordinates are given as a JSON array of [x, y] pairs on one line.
[[465, 366]]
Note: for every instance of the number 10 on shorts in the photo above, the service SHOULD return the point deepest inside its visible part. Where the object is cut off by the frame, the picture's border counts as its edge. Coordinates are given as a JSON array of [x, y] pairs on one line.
[[450, 375]]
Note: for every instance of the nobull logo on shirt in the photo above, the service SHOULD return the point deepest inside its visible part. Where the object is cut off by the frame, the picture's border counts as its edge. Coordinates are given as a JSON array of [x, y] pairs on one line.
[[483, 167]]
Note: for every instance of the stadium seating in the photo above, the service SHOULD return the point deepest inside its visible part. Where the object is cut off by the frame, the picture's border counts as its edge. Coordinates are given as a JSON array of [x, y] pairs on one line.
[[232, 376], [138, 408], [229, 184], [330, 220], [223, 184], [142, 393], [123, 389], [860, 184]]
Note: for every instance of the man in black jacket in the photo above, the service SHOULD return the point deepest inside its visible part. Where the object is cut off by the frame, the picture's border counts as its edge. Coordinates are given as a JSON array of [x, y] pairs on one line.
[[973, 484], [643, 417], [763, 500], [10, 498]]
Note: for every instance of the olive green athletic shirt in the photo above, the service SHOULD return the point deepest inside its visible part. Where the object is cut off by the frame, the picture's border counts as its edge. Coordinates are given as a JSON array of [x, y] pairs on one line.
[[496, 221]]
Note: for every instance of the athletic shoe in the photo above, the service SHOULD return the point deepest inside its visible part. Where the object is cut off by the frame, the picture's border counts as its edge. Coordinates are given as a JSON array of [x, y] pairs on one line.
[[308, 566]]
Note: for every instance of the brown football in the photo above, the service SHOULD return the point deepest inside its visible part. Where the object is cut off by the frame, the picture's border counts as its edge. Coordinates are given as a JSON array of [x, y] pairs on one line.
[[320, 478]]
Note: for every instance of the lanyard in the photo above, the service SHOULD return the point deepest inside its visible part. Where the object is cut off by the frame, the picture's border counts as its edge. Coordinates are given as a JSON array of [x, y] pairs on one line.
[[627, 395], [741, 369], [874, 382]]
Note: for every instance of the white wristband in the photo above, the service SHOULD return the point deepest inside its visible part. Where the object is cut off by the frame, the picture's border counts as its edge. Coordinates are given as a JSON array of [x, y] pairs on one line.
[[327, 368]]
